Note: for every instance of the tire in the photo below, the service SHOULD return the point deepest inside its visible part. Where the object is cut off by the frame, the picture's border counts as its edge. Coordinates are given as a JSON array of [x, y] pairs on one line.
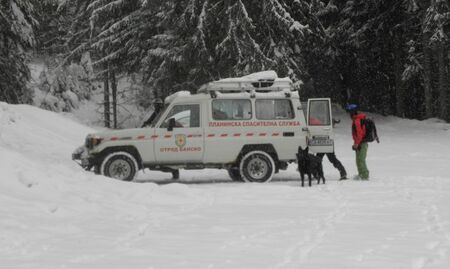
[[257, 166], [97, 169], [176, 174], [235, 174], [119, 165]]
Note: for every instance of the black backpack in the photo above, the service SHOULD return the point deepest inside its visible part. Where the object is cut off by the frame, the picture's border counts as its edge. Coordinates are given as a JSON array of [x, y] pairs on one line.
[[371, 130]]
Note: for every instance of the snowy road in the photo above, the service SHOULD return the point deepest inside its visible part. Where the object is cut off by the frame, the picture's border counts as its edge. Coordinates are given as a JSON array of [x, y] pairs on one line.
[[54, 215]]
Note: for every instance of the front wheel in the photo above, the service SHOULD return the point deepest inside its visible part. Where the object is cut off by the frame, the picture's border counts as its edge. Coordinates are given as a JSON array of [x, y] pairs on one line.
[[119, 165], [257, 166]]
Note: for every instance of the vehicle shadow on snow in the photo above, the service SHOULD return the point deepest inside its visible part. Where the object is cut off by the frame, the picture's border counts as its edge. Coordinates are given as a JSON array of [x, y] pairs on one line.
[[209, 181]]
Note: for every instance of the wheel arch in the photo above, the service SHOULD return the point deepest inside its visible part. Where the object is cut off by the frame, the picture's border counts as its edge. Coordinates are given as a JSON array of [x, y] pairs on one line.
[[129, 149]]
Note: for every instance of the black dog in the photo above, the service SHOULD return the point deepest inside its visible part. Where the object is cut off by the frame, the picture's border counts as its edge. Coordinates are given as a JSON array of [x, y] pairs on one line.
[[310, 165]]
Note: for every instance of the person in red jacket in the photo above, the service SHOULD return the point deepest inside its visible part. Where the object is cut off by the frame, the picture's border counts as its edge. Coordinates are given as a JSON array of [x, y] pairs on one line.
[[359, 145]]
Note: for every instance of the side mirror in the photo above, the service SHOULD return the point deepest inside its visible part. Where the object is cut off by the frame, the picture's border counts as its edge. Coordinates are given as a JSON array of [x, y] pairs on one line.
[[172, 124]]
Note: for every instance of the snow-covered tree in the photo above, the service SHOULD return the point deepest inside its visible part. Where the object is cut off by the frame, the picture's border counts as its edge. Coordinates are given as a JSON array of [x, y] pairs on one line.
[[437, 28], [53, 27], [64, 87], [212, 39], [16, 36]]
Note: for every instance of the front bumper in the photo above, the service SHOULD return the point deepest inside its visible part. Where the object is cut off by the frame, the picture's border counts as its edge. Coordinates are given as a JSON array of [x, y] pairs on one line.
[[81, 156]]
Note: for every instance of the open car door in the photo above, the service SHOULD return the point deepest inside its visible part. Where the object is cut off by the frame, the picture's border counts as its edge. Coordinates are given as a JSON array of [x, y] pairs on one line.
[[320, 125]]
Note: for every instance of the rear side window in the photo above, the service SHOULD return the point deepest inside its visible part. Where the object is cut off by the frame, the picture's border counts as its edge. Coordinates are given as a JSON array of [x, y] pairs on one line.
[[274, 109], [231, 109]]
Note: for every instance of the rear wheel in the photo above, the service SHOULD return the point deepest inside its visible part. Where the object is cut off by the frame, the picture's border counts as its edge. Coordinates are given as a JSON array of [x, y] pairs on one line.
[[120, 165], [234, 174], [257, 166]]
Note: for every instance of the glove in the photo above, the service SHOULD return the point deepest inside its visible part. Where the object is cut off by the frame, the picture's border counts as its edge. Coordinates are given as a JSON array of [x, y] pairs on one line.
[[355, 147]]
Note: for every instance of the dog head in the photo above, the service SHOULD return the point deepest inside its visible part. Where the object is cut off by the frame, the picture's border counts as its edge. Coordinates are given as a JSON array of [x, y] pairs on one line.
[[302, 154]]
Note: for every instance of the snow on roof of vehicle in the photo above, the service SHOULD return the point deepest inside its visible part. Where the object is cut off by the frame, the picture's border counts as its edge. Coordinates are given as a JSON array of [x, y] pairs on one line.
[[261, 75], [172, 97], [266, 82], [260, 81]]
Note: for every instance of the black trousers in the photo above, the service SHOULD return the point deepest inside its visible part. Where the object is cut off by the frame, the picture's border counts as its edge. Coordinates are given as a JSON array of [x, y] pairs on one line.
[[336, 163]]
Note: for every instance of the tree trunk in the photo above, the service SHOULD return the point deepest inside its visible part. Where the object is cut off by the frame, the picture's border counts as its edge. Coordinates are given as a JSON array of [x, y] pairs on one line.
[[427, 79], [106, 104], [443, 87], [114, 97], [400, 93]]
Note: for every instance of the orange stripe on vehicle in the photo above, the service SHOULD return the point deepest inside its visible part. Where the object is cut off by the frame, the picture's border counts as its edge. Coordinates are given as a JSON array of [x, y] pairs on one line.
[[168, 136], [211, 135], [223, 135], [141, 137], [250, 134], [275, 134], [190, 135], [262, 134], [236, 134], [114, 138], [154, 137]]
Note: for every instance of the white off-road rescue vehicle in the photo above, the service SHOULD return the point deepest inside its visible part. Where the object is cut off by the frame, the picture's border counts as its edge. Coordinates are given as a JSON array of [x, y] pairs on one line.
[[252, 126]]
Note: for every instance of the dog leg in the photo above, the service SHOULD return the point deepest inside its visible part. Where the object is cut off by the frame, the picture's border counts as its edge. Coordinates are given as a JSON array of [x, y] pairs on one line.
[[309, 179], [321, 174], [302, 176]]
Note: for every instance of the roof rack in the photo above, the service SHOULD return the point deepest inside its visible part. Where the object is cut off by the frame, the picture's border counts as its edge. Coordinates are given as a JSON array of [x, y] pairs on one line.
[[245, 85]]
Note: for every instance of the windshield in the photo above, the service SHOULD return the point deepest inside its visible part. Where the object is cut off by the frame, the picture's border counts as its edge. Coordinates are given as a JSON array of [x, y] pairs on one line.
[[157, 115]]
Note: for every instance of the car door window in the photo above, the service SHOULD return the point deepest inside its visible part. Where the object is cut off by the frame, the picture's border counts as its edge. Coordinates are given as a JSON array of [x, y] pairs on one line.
[[319, 113], [186, 116]]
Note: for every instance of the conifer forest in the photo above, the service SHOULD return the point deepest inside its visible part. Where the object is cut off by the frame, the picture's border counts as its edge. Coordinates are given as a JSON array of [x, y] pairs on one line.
[[392, 57]]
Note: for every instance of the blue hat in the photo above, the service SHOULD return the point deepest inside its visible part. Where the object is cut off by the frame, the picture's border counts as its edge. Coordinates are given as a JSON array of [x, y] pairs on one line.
[[351, 107]]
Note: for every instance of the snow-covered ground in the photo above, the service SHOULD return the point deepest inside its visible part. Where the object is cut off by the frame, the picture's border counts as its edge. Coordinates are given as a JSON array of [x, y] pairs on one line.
[[54, 215]]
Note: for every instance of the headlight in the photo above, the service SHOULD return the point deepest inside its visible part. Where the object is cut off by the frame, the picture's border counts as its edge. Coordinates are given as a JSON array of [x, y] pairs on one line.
[[92, 141]]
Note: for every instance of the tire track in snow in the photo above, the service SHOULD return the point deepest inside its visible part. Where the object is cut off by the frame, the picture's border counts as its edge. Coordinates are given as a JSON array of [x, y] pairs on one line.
[[300, 252], [152, 221], [431, 218]]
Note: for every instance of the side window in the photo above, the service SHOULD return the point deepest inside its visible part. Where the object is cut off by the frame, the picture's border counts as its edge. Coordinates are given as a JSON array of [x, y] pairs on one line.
[[186, 116], [231, 109], [271, 109], [319, 113]]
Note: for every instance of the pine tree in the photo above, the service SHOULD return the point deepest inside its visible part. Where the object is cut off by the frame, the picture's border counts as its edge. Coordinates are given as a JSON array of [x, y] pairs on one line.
[[437, 27], [113, 36], [369, 47], [430, 23], [217, 39], [53, 26], [16, 36]]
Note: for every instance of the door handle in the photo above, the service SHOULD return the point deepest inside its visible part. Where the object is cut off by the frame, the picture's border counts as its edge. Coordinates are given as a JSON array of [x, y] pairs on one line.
[[288, 134]]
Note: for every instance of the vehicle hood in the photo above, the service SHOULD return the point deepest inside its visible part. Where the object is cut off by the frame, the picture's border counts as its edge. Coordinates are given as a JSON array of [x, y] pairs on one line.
[[124, 133]]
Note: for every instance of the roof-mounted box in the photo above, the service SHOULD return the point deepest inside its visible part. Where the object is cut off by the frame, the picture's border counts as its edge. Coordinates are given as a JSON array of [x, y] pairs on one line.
[[258, 82]]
